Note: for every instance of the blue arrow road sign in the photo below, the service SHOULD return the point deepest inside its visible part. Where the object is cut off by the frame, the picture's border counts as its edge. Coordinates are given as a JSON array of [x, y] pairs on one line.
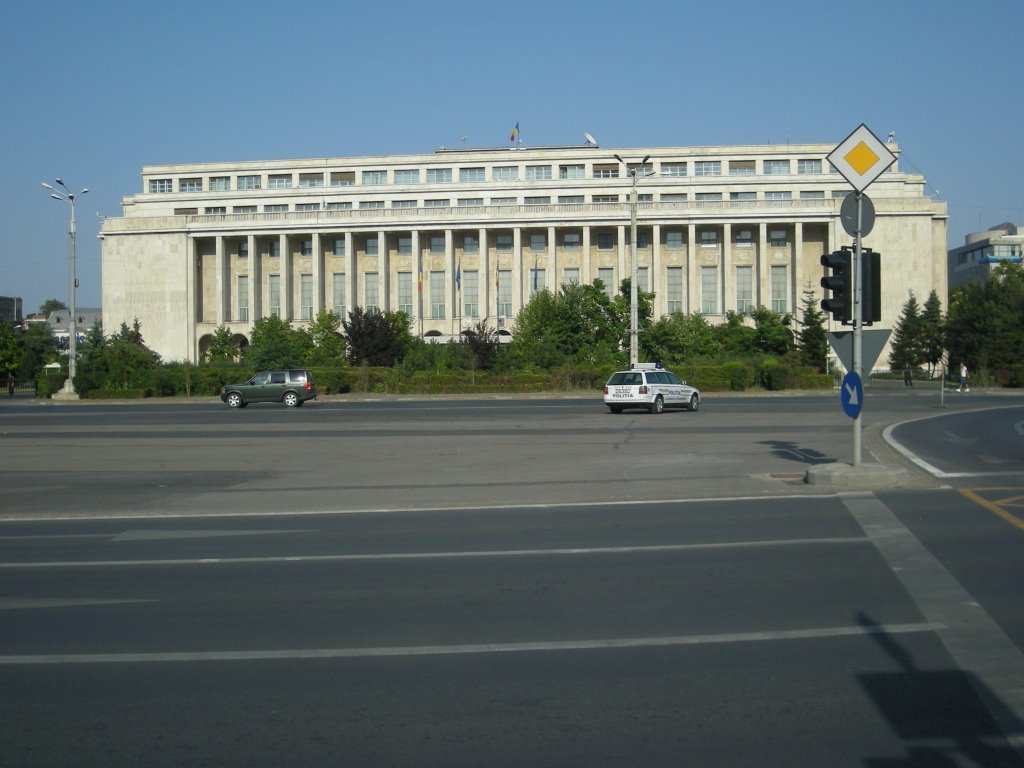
[[851, 394]]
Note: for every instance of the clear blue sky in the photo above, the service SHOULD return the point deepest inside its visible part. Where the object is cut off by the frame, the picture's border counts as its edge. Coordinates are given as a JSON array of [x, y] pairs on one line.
[[94, 91]]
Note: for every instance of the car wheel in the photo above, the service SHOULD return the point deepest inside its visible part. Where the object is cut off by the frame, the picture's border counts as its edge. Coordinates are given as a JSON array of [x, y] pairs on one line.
[[615, 408], [658, 406], [234, 400], [694, 403], [291, 400]]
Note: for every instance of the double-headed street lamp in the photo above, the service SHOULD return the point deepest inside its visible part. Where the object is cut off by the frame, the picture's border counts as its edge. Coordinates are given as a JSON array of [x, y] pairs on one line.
[[68, 197], [635, 173]]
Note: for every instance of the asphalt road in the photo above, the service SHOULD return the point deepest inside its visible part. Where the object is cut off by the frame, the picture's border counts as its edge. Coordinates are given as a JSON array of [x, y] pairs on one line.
[[508, 583]]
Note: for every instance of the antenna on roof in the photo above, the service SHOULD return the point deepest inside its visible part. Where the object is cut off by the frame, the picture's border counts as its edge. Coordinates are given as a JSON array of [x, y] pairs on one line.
[[591, 141]]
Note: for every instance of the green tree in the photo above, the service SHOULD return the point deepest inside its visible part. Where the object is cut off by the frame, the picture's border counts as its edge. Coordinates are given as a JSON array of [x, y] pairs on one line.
[[483, 343], [985, 322], [328, 343], [772, 332], [907, 347], [376, 338], [275, 344], [679, 337], [223, 348], [735, 336], [10, 349], [812, 338], [51, 305], [933, 331]]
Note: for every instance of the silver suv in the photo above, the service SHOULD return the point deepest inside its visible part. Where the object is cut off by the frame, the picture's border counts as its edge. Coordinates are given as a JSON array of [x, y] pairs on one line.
[[651, 387], [290, 386]]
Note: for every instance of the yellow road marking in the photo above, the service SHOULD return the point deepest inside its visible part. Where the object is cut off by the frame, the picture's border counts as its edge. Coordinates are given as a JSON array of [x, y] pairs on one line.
[[995, 507]]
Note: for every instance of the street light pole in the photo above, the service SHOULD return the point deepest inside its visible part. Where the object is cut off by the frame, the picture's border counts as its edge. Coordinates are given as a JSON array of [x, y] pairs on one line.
[[68, 197], [634, 269]]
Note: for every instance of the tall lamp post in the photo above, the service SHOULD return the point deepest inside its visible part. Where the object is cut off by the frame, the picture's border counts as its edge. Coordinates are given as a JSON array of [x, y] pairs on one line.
[[633, 322], [67, 196]]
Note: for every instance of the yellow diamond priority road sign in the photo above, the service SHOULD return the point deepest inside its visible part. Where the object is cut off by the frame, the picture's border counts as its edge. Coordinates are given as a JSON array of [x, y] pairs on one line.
[[861, 158]]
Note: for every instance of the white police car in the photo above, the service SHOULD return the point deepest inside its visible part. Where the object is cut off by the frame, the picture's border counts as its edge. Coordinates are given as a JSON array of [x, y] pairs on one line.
[[651, 387]]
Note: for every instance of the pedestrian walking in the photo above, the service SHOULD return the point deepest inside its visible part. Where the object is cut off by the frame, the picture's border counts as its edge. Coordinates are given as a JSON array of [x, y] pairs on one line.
[[10, 383], [908, 376], [963, 379]]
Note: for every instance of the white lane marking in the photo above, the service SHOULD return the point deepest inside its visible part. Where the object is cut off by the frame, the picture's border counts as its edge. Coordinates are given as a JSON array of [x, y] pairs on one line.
[[435, 555], [448, 650], [210, 514], [976, 643], [21, 603], [157, 535]]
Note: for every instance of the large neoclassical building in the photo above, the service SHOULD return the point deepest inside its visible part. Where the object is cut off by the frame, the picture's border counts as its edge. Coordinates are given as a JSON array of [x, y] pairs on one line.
[[461, 235]]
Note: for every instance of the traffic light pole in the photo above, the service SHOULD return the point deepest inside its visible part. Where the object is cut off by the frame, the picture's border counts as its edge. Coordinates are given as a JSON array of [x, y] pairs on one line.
[[857, 318]]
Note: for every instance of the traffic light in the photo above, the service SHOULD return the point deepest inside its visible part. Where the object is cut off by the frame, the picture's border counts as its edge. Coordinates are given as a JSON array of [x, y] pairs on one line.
[[871, 287], [840, 304]]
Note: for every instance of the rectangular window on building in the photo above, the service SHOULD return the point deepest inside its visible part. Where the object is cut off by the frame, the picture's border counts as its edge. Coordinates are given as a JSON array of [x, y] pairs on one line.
[[642, 279], [812, 195], [538, 280], [570, 199], [215, 210], [247, 182], [741, 167], [339, 246], [470, 243], [606, 171], [405, 293], [305, 297], [674, 239], [776, 167], [371, 205], [243, 249], [371, 245], [707, 168], [780, 294], [338, 294], [405, 244], [439, 175], [374, 178], [538, 172], [437, 243], [503, 201], [275, 248], [243, 298], [276, 208], [708, 197], [471, 293], [643, 239], [709, 290], [274, 294], [812, 167], [190, 185], [605, 199], [674, 289], [537, 200], [437, 295], [159, 186], [371, 292], [777, 238], [244, 209], [307, 248], [437, 202], [343, 178], [538, 241], [571, 276], [607, 277], [744, 238], [605, 241], [472, 174], [709, 238], [307, 207], [470, 202], [742, 196], [673, 169], [675, 198], [571, 241], [778, 197], [279, 181], [505, 173], [311, 180], [744, 288], [572, 171], [220, 183], [407, 176], [346, 206], [403, 203], [505, 292], [503, 243]]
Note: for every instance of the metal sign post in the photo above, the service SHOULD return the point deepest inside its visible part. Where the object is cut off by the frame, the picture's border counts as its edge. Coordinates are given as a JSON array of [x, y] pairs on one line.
[[861, 158]]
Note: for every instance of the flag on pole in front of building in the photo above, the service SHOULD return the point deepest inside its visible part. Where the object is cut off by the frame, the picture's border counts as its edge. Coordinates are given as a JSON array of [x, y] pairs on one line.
[[515, 134], [458, 276]]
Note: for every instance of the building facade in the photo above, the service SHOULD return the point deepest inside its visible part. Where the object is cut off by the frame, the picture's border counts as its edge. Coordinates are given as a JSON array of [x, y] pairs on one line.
[[982, 252], [458, 236], [10, 310]]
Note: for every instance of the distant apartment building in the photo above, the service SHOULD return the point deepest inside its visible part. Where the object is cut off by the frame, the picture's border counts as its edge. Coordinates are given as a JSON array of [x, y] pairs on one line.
[[454, 237], [984, 251], [10, 310]]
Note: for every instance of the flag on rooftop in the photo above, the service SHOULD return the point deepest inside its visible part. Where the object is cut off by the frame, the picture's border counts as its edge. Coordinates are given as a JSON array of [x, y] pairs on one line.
[[515, 133]]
